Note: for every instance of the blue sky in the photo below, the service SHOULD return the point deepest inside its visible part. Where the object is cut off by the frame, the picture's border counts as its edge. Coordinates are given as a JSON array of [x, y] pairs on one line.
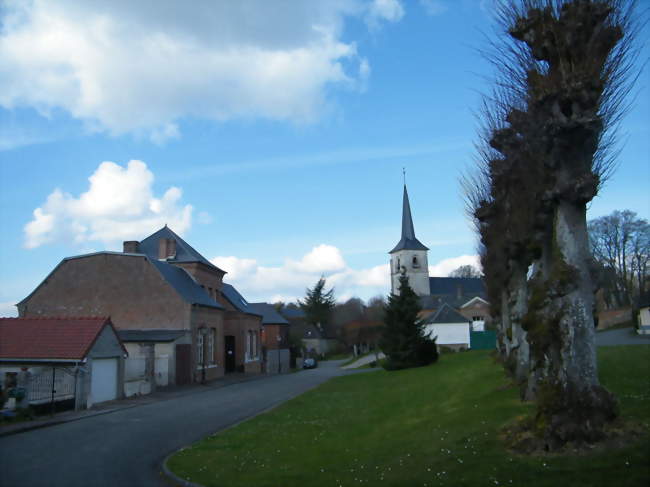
[[270, 135]]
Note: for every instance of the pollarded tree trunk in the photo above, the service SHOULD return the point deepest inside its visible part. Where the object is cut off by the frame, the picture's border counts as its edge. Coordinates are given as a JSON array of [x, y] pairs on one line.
[[572, 404], [519, 304]]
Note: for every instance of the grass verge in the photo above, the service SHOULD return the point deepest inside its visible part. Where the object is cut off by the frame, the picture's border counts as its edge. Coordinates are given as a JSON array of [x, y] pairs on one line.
[[436, 425]]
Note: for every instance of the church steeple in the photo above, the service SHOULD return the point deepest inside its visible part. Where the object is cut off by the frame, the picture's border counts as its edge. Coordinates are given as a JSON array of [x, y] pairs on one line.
[[408, 240], [409, 257]]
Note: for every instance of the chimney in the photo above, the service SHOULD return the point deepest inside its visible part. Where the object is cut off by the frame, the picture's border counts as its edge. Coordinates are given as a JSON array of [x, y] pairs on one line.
[[166, 248], [130, 247]]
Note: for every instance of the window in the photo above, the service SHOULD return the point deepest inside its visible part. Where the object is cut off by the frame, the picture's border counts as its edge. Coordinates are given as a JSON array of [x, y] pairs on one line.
[[248, 345], [477, 318], [211, 340], [199, 348], [415, 262], [255, 353]]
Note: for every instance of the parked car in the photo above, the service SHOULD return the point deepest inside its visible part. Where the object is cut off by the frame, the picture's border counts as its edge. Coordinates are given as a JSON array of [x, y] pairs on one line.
[[309, 363]]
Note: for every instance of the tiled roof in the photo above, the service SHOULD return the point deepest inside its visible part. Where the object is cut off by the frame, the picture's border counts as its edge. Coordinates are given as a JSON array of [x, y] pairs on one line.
[[237, 300], [434, 302], [184, 284], [446, 314], [184, 251], [150, 335], [455, 286], [49, 338], [269, 314], [292, 313]]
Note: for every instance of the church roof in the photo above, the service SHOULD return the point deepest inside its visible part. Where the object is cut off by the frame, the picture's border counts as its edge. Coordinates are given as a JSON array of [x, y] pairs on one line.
[[184, 251], [408, 240], [457, 286], [446, 314]]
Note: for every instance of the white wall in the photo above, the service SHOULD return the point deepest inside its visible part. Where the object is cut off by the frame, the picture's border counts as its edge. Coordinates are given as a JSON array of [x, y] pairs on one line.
[[418, 276], [644, 317], [449, 333]]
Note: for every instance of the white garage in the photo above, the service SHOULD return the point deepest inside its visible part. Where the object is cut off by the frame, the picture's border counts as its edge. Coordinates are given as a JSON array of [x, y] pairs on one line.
[[103, 385], [449, 326]]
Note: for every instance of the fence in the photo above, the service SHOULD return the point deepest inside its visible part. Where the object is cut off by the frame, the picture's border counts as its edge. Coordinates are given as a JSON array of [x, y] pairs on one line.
[[41, 390], [482, 340]]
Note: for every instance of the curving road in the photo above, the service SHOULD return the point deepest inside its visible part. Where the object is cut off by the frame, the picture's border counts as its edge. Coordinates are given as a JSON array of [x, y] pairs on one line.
[[126, 447]]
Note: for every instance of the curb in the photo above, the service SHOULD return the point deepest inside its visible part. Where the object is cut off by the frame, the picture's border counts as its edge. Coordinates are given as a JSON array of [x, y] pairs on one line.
[[175, 478], [55, 422], [46, 424]]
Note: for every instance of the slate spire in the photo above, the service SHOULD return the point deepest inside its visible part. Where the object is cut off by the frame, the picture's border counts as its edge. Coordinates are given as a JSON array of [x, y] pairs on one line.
[[407, 221], [408, 240]]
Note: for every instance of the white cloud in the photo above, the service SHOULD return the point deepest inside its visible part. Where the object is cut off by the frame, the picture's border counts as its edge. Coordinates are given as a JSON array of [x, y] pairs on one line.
[[8, 310], [321, 259], [390, 10], [118, 205], [287, 282], [124, 66], [434, 7], [444, 267]]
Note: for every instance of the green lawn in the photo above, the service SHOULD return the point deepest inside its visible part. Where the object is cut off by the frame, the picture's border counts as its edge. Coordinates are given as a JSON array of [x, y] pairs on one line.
[[435, 425]]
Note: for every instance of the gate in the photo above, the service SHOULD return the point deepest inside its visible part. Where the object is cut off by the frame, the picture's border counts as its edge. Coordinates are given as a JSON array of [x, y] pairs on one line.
[[51, 385]]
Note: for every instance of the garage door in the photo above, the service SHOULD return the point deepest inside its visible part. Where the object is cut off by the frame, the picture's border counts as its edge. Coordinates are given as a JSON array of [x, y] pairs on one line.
[[104, 380]]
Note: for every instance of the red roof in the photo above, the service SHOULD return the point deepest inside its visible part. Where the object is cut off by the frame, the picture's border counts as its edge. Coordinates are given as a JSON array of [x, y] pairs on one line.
[[49, 338]]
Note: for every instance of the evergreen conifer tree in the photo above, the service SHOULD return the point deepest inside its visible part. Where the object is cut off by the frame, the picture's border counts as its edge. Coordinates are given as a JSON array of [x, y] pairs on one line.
[[318, 304], [404, 341]]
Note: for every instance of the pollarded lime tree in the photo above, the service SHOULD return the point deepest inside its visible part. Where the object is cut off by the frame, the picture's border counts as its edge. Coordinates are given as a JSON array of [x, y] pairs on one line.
[[564, 67]]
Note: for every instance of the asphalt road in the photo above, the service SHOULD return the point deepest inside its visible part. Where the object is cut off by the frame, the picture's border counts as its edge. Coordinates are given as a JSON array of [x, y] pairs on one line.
[[126, 448], [622, 336]]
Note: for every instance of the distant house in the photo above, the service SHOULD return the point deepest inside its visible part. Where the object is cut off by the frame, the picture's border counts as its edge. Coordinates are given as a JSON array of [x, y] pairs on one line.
[[192, 326], [275, 339], [62, 359], [451, 328]]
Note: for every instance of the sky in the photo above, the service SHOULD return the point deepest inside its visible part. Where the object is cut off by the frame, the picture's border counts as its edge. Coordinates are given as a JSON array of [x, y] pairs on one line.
[[270, 135]]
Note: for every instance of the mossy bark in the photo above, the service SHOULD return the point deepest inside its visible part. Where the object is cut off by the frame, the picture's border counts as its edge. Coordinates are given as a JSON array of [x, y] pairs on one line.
[[572, 406]]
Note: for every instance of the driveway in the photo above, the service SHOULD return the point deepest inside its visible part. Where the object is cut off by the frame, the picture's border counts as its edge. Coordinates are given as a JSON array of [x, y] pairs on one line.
[[126, 447]]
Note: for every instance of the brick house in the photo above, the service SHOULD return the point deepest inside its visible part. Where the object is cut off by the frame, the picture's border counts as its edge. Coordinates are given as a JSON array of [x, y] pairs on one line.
[[160, 284], [275, 339]]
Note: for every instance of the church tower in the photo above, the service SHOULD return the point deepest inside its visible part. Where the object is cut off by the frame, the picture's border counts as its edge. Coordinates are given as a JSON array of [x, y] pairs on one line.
[[409, 256]]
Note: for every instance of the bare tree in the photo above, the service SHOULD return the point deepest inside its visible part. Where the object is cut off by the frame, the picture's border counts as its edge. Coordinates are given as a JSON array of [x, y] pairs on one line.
[[466, 271], [621, 242]]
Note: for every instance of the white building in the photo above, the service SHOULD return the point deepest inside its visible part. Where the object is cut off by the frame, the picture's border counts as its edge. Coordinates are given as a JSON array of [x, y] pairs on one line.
[[450, 328]]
